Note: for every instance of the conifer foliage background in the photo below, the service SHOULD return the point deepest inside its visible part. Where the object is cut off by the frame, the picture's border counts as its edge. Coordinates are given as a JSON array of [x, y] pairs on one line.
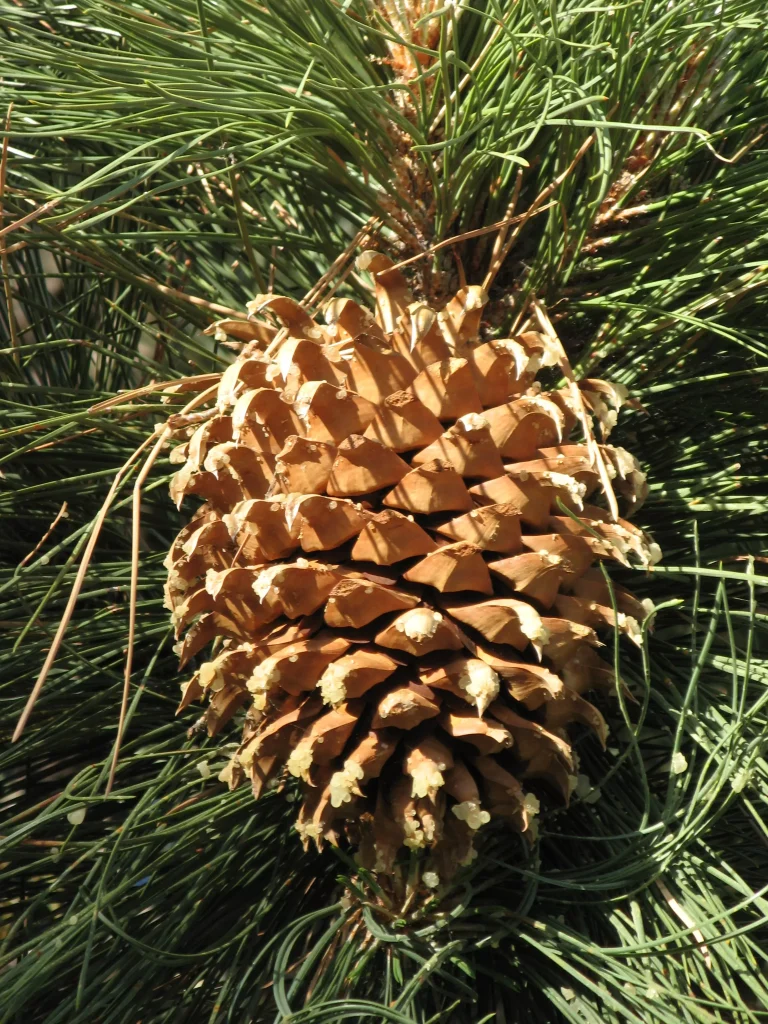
[[163, 163]]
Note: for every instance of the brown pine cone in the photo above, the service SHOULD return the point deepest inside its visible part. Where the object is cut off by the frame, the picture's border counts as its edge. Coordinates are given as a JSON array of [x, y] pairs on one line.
[[387, 566]]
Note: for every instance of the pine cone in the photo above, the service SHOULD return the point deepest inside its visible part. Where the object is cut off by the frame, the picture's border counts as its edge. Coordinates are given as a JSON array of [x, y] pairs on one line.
[[388, 569]]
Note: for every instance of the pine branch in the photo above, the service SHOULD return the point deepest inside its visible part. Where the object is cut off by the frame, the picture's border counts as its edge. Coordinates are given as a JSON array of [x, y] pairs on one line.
[[172, 899]]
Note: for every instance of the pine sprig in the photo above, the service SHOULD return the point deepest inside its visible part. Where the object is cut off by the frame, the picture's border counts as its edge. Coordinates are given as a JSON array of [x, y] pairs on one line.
[[174, 900]]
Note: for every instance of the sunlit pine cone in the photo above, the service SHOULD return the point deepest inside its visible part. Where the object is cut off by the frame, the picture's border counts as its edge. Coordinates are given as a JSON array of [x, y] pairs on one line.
[[385, 561]]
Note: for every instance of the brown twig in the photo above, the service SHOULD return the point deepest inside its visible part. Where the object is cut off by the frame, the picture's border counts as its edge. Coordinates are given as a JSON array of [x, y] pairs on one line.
[[148, 389], [511, 207], [535, 208], [4, 264], [75, 592], [134, 587], [63, 440], [59, 515], [164, 435], [46, 844], [313, 295], [213, 307], [475, 233], [687, 920], [29, 217], [739, 152]]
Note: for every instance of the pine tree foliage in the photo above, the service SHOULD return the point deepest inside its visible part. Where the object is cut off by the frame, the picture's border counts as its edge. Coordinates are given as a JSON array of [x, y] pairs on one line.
[[163, 164]]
